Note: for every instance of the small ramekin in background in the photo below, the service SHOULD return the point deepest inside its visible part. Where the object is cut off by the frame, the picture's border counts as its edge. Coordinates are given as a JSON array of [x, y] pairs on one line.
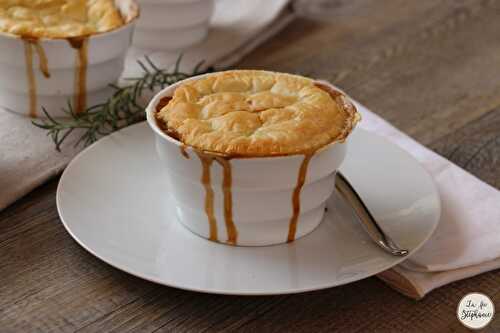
[[261, 188], [77, 70], [172, 24]]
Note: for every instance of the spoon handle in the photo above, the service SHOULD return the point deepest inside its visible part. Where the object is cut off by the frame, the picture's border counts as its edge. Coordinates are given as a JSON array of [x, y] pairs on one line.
[[366, 218]]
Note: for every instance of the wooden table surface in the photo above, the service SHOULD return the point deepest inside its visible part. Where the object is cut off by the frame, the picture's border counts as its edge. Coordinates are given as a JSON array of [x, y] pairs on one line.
[[432, 68]]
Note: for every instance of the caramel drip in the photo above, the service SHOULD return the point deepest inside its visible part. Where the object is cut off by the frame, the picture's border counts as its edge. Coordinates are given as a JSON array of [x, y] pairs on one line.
[[232, 233], [184, 153], [28, 56], [206, 162], [163, 102], [292, 229], [42, 59], [29, 44], [81, 45]]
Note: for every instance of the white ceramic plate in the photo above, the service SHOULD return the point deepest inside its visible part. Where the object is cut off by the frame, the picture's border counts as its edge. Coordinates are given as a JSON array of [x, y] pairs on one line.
[[110, 199]]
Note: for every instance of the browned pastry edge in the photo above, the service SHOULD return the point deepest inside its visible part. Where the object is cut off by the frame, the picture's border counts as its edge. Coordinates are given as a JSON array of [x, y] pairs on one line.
[[340, 98]]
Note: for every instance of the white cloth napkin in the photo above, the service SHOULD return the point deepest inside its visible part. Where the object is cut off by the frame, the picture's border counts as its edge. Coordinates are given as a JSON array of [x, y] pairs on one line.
[[467, 239], [28, 157]]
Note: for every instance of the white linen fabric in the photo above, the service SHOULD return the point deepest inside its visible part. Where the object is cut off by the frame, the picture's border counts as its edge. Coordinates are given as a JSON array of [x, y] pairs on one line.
[[467, 239]]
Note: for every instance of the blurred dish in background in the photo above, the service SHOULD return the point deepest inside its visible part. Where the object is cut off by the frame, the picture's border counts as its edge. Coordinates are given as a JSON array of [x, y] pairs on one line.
[[63, 61], [172, 24]]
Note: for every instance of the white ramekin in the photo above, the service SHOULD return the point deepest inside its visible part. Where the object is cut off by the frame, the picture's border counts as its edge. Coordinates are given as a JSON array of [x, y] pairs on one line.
[[262, 188], [105, 61], [172, 24]]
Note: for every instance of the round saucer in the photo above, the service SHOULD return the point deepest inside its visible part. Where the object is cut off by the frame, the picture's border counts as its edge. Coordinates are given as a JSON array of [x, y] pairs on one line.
[[111, 199]]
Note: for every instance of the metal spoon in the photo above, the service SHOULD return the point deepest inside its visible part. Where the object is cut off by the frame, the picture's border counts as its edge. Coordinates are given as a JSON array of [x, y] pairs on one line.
[[366, 218]]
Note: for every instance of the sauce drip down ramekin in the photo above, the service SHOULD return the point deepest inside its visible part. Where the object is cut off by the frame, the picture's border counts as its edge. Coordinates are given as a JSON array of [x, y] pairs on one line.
[[50, 72], [251, 201]]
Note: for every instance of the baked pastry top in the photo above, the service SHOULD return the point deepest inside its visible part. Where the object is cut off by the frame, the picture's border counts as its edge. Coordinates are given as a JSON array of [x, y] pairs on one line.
[[58, 18], [257, 113]]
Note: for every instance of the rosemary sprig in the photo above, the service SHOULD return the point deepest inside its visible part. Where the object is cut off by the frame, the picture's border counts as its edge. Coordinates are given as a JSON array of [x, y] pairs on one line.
[[122, 109]]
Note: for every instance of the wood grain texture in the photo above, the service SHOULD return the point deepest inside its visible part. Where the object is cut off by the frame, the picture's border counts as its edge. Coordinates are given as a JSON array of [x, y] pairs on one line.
[[430, 67]]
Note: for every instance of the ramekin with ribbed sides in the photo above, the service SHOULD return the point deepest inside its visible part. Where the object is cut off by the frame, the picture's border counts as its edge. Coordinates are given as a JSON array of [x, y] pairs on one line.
[[59, 65], [250, 156], [172, 24]]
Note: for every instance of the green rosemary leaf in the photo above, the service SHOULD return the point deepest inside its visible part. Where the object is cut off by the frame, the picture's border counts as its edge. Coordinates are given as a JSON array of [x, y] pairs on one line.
[[151, 63], [178, 63], [122, 109], [197, 67], [52, 120], [144, 68], [114, 86], [68, 132]]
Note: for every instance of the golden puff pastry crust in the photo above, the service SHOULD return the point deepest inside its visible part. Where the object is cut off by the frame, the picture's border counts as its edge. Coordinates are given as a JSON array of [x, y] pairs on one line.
[[250, 113], [58, 18]]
